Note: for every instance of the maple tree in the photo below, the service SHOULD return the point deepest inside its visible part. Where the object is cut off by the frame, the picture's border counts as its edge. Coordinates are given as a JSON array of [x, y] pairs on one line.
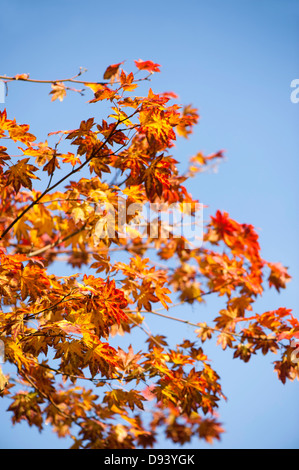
[[60, 332]]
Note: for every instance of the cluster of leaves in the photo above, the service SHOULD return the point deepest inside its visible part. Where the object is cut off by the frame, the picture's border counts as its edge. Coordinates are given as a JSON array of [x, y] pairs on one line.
[[59, 331]]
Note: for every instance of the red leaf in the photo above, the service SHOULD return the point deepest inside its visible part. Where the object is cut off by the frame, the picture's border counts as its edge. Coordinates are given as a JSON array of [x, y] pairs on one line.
[[147, 65]]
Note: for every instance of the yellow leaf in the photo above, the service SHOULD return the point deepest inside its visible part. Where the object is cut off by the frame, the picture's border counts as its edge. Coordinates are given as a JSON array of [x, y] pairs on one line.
[[94, 86], [58, 91]]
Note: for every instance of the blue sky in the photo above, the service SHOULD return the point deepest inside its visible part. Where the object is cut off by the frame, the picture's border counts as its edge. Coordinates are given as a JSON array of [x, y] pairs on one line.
[[232, 60]]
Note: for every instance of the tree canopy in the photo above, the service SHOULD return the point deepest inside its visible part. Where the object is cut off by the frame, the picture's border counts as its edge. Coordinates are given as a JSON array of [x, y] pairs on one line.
[[115, 207]]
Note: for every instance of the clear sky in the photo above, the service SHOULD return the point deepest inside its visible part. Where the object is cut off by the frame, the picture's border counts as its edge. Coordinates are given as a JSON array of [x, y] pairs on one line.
[[233, 60]]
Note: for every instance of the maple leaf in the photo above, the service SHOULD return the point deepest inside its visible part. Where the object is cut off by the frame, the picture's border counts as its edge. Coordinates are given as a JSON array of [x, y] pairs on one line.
[[3, 156], [71, 352], [78, 214], [279, 276], [145, 296], [71, 158], [127, 81], [58, 91], [33, 281], [226, 320], [100, 357], [111, 71], [120, 397], [244, 352], [19, 132], [36, 344], [204, 332], [188, 119], [128, 362], [84, 129], [26, 407], [103, 92], [15, 354], [225, 340], [210, 429], [102, 263], [147, 65], [43, 152], [106, 298], [21, 174], [285, 370], [156, 177], [51, 165]]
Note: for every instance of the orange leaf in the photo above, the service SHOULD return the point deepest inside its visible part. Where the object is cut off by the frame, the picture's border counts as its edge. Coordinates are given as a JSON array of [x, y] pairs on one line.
[[111, 71], [147, 65], [21, 174]]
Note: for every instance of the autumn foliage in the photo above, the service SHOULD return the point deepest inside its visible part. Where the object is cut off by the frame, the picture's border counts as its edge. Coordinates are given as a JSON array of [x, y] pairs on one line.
[[62, 334]]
